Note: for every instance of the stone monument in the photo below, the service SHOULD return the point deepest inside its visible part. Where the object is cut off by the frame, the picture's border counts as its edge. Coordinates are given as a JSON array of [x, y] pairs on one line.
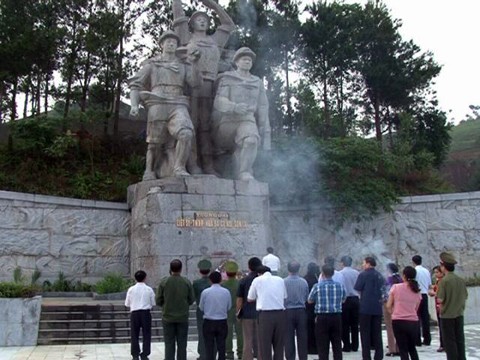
[[207, 205]]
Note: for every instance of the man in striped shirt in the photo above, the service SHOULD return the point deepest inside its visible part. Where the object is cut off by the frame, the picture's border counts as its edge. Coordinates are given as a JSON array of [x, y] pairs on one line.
[[328, 296]]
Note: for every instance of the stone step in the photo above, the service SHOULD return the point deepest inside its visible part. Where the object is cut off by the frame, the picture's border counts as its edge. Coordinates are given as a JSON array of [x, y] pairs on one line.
[[100, 340], [84, 324]]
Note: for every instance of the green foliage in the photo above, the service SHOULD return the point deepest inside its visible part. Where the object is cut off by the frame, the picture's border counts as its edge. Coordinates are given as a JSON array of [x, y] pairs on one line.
[[355, 178], [45, 160], [362, 76], [17, 275], [112, 283], [61, 145], [19, 278], [79, 286], [36, 276], [33, 135], [60, 284], [466, 136], [17, 290], [472, 281], [63, 284]]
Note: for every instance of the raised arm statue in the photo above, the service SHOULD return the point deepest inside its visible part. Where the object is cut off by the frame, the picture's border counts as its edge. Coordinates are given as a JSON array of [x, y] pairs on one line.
[[193, 34]]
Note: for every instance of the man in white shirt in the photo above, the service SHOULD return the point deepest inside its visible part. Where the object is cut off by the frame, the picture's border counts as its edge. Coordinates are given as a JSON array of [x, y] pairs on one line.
[[271, 261], [140, 299], [424, 280], [269, 292]]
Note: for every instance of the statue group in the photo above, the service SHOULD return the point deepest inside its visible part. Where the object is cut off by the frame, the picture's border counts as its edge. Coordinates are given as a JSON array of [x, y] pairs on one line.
[[204, 117]]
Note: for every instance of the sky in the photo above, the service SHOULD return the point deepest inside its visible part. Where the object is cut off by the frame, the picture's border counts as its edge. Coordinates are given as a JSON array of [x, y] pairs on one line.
[[449, 29]]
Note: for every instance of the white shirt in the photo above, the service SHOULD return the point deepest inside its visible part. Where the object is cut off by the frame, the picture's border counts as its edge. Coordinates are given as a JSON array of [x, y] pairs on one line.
[[269, 291], [272, 261], [140, 297], [423, 278]]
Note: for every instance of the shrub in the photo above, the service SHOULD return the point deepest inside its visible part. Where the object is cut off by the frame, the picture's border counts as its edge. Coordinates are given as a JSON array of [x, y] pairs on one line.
[[112, 283], [19, 287], [62, 284], [472, 281], [17, 290]]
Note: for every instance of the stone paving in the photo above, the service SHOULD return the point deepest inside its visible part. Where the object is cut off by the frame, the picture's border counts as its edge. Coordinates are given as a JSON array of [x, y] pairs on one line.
[[122, 351]]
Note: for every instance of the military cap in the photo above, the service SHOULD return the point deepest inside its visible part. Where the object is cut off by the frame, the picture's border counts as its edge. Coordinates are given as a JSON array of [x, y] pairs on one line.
[[204, 264], [197, 14], [169, 34], [244, 51], [447, 258], [231, 266]]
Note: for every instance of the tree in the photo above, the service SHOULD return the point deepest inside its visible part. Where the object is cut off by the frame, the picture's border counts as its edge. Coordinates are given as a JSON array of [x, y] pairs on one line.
[[395, 73], [27, 42], [330, 48], [355, 179], [271, 30]]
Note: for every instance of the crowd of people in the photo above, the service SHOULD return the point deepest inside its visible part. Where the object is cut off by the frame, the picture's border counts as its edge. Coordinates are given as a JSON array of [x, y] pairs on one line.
[[277, 318]]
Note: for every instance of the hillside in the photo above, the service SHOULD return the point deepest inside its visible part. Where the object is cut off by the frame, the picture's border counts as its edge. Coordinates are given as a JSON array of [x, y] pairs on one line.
[[462, 168], [98, 168]]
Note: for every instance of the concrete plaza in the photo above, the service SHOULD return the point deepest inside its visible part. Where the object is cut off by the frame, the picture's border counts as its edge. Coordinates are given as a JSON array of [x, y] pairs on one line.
[[122, 351]]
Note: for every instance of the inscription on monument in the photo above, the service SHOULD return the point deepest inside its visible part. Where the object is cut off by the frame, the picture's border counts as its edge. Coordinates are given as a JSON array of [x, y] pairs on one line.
[[210, 219]]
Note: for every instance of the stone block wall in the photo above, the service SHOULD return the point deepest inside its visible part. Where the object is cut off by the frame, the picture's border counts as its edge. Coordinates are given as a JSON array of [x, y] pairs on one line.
[[84, 239], [19, 321], [194, 218], [425, 225]]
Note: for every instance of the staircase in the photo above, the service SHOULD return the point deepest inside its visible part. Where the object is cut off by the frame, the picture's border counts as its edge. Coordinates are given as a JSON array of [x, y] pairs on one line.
[[96, 323]]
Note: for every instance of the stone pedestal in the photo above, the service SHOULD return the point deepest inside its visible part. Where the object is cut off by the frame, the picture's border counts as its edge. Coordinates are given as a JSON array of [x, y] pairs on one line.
[[194, 218], [19, 321]]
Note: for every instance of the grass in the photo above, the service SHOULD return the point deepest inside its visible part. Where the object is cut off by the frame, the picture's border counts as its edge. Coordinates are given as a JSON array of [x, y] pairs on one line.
[[466, 138]]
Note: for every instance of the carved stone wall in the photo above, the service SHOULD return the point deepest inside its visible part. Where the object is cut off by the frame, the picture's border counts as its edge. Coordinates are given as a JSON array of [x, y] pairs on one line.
[[84, 239], [425, 225]]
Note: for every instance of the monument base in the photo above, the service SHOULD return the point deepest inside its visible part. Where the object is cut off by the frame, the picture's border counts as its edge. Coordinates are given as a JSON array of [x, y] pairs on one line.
[[194, 218]]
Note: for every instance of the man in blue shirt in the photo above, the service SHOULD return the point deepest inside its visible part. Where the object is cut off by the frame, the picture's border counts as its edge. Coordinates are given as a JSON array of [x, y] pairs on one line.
[[328, 296], [215, 303], [350, 307], [297, 295], [371, 286]]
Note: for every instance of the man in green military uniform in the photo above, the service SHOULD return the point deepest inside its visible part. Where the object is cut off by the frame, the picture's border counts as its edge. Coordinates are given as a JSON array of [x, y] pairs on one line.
[[175, 295], [231, 268], [452, 295], [204, 268]]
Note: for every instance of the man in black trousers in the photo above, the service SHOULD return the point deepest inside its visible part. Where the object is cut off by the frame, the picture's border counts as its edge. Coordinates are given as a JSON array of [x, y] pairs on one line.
[[351, 306], [140, 299], [215, 303], [371, 286], [328, 296], [269, 292], [424, 280]]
